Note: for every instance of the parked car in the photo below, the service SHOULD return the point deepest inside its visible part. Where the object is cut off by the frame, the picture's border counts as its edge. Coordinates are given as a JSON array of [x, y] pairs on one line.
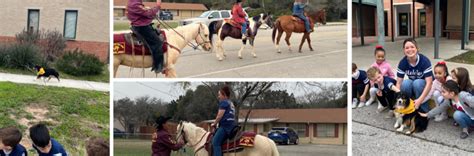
[[283, 135], [208, 17], [119, 133], [166, 15]]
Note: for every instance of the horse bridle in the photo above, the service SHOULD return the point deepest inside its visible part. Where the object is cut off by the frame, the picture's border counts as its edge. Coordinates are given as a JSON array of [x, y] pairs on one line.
[[202, 38], [188, 43], [181, 134]]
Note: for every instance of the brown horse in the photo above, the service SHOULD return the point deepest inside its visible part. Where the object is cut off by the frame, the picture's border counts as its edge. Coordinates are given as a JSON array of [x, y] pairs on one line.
[[290, 24]]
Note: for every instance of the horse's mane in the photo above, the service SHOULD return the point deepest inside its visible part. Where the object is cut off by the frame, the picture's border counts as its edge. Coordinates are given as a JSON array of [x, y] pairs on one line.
[[192, 125]]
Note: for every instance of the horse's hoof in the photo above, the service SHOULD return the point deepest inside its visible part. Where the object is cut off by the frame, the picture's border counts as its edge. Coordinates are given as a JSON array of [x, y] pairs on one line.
[[220, 59], [300, 51], [311, 50], [240, 57], [279, 51], [254, 56]]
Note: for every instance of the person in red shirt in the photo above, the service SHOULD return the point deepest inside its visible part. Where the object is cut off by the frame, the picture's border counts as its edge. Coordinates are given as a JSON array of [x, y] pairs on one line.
[[238, 15], [161, 140]]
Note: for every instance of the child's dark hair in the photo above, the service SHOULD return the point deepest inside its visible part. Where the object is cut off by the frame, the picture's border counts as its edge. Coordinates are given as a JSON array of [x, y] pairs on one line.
[[225, 90], [412, 40], [379, 48], [39, 134], [452, 86], [97, 147], [354, 67], [10, 136], [462, 76], [442, 64]]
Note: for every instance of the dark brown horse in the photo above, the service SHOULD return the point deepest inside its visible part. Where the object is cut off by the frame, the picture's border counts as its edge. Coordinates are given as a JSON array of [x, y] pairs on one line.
[[290, 24], [225, 29]]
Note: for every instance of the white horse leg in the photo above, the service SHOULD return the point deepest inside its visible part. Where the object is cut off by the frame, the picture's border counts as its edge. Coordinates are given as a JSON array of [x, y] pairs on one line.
[[220, 50], [253, 52], [241, 49]]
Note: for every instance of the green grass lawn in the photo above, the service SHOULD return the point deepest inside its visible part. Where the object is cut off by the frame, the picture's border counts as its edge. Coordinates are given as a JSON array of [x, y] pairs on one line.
[[136, 147], [104, 77], [72, 115], [467, 58], [119, 26]]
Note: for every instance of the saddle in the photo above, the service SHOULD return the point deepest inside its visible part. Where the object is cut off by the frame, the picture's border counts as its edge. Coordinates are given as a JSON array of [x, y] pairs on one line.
[[238, 25], [132, 43], [299, 20], [236, 142]]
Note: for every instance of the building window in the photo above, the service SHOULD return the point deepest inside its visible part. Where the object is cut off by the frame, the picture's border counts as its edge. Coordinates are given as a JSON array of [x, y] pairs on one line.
[[325, 130], [33, 19], [300, 129], [70, 24]]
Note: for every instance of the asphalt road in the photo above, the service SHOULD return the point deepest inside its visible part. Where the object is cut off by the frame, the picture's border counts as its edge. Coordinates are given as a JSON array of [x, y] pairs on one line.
[[328, 60], [312, 150]]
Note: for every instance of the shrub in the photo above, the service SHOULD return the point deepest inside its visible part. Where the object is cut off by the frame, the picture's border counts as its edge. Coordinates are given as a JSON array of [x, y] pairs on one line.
[[51, 43], [28, 36], [21, 56], [78, 63]]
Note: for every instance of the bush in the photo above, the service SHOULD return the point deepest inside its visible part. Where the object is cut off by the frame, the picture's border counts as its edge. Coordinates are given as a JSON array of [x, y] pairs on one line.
[[28, 37], [21, 56], [51, 43], [78, 63]]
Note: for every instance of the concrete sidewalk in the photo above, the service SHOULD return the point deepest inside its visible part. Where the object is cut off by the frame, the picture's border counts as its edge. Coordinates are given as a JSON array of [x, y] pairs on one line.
[[363, 56], [442, 134], [68, 83]]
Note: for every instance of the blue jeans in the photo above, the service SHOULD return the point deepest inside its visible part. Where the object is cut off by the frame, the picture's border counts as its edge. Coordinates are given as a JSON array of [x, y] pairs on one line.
[[217, 140], [414, 88], [244, 28], [463, 119], [306, 22]]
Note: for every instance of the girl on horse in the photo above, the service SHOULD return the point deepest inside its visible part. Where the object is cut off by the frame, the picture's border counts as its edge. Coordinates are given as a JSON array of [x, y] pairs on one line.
[[298, 11], [141, 18], [225, 118], [161, 140], [238, 16]]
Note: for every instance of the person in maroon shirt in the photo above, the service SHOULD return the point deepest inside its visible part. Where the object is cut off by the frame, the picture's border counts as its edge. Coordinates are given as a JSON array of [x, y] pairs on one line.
[[141, 18], [162, 144]]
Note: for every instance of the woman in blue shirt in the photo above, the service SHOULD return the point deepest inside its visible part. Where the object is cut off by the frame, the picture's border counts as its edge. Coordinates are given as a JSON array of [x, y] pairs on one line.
[[298, 10], [420, 74], [225, 118]]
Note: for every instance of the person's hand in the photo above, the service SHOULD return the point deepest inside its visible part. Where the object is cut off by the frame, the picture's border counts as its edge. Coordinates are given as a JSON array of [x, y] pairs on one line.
[[158, 2], [379, 93], [213, 125], [417, 103], [362, 98], [423, 114], [154, 136]]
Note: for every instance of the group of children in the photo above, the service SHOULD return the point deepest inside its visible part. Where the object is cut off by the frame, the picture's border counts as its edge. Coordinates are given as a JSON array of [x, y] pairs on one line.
[[44, 145], [449, 89]]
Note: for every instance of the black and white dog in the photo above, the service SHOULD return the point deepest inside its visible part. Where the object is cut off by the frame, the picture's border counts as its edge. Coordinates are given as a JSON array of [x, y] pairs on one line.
[[44, 73], [408, 116]]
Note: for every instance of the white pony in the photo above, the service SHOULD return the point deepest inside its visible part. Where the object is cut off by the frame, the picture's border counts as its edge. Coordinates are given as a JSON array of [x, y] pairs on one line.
[[177, 40], [196, 138]]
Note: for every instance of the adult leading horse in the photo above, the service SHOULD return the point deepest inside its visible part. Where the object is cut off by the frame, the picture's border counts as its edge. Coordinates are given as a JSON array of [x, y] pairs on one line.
[[177, 39], [196, 139], [290, 24], [225, 29]]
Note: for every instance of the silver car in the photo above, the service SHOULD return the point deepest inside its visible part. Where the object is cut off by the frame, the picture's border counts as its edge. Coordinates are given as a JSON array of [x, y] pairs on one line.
[[208, 17]]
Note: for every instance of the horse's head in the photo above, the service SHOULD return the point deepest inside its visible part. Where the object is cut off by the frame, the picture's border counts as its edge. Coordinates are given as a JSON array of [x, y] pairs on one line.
[[321, 16], [263, 19], [180, 132], [268, 20], [202, 37]]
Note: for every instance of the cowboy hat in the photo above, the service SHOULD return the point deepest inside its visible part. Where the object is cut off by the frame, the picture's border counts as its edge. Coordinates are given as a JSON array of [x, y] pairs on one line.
[[160, 121]]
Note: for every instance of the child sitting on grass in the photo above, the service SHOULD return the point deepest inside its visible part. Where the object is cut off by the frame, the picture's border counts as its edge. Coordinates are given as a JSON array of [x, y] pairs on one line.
[[10, 138], [43, 143]]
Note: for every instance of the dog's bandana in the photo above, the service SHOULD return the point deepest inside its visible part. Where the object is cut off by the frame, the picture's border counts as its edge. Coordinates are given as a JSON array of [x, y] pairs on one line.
[[41, 71], [407, 110]]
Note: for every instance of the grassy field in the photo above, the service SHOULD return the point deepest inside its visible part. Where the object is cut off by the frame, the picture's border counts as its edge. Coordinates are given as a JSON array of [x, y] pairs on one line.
[[125, 25], [72, 115], [104, 77], [136, 147], [467, 58]]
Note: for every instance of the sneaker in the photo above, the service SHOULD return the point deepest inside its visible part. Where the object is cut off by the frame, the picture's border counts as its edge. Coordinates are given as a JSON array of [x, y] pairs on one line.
[[379, 105], [361, 104], [455, 124], [441, 117], [381, 109], [389, 114], [354, 103], [371, 100], [464, 135]]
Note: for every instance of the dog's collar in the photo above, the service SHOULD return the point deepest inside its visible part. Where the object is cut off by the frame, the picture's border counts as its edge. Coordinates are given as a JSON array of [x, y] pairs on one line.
[[407, 110], [41, 71]]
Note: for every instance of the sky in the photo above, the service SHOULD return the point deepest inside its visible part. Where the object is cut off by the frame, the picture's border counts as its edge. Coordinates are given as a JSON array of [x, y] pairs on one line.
[[168, 91]]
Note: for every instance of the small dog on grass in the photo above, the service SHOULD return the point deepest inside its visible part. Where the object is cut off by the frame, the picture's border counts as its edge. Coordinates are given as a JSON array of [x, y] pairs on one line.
[[44, 73], [408, 116]]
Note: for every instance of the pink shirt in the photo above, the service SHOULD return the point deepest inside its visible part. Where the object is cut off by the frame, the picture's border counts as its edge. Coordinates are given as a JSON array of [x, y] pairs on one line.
[[385, 69]]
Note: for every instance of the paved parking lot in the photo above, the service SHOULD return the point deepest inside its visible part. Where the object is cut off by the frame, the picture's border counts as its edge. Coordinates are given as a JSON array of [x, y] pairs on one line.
[[312, 150]]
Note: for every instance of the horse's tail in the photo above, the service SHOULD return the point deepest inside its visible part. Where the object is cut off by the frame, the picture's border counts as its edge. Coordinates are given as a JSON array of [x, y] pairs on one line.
[[275, 28], [213, 29]]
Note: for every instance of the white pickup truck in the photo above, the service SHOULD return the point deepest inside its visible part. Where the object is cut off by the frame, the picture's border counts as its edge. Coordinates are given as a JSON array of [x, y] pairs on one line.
[[208, 17]]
